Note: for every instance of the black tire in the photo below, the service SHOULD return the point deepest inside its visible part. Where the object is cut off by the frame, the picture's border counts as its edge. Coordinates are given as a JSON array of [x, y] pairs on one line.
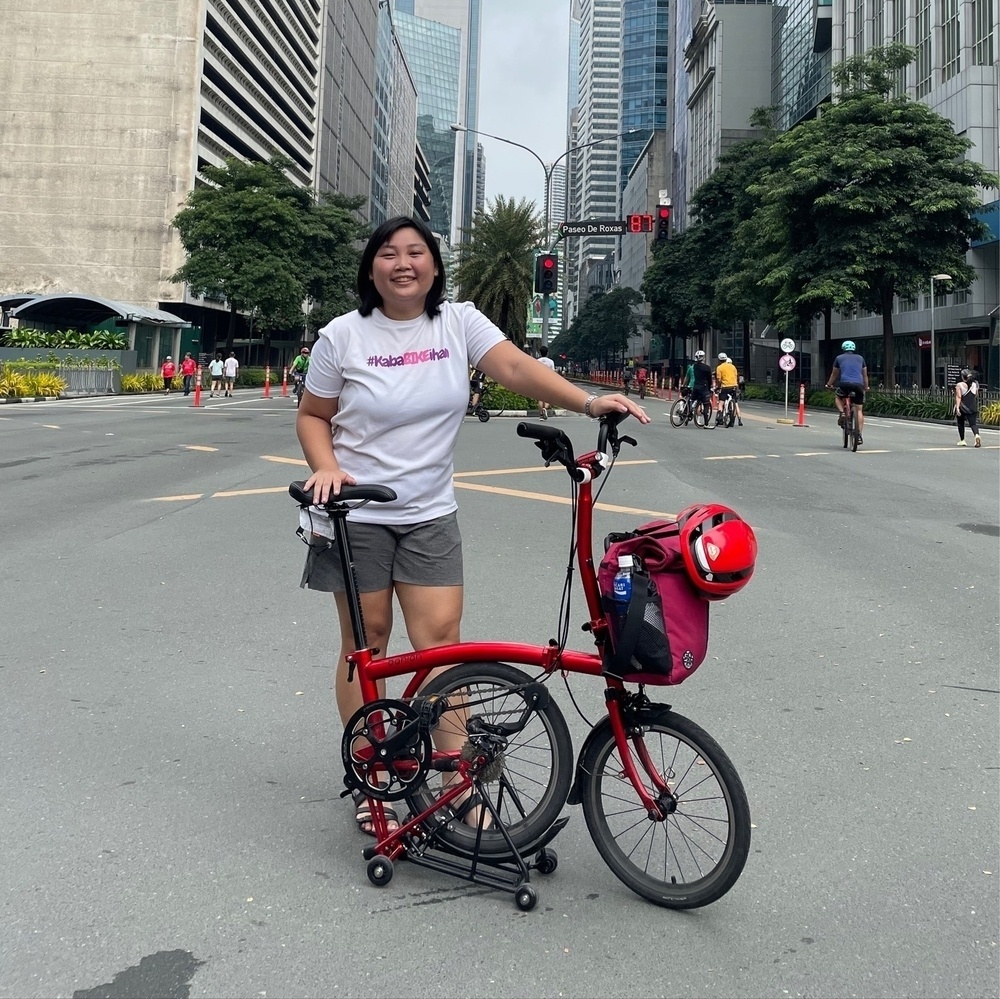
[[697, 853], [483, 415], [847, 430], [526, 898], [379, 871], [678, 413], [730, 417], [538, 763], [855, 433], [703, 416]]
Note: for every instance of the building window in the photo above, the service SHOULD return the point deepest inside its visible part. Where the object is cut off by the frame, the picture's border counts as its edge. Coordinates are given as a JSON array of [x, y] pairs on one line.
[[899, 35], [859, 27], [982, 20], [950, 39], [878, 23], [925, 70]]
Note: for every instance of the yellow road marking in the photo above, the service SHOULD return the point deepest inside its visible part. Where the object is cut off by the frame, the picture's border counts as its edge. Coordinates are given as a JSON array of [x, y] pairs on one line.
[[174, 499], [198, 447], [284, 461], [250, 492], [542, 468], [728, 457], [562, 500]]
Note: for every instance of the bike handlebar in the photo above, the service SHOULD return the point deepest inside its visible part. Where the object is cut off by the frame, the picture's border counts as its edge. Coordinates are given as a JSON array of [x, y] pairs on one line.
[[556, 446]]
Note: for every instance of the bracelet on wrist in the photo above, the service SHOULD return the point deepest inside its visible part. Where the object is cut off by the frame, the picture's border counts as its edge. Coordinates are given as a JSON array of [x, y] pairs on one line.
[[586, 406]]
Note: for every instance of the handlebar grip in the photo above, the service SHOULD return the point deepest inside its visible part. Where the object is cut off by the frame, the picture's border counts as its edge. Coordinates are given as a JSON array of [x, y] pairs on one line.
[[608, 423], [540, 433], [374, 493]]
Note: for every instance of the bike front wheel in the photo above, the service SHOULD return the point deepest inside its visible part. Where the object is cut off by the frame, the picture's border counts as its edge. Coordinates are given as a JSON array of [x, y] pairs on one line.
[[678, 413], [696, 853], [530, 789]]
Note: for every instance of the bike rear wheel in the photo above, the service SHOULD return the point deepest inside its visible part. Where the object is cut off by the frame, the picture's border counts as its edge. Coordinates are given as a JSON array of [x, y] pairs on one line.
[[678, 413], [847, 426], [855, 433], [730, 417], [532, 787], [697, 852]]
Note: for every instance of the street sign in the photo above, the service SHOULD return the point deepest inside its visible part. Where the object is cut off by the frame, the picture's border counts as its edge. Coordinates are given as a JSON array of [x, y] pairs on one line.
[[595, 227], [788, 345], [786, 362]]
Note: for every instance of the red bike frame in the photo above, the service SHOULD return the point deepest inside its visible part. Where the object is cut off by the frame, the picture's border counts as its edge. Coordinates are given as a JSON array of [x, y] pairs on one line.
[[549, 658]]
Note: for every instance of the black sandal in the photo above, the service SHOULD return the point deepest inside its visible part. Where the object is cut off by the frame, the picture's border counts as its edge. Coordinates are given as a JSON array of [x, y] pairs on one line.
[[363, 813]]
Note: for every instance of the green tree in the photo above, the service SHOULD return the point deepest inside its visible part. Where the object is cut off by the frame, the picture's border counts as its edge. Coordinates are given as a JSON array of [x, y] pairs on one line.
[[244, 233], [332, 256], [602, 328], [866, 201], [495, 268]]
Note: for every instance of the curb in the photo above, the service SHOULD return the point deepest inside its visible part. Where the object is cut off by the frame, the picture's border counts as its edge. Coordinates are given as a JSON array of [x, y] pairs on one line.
[[10, 400]]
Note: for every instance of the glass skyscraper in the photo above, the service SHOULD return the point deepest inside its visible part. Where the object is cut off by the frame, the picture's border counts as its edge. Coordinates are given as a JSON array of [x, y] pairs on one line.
[[433, 51]]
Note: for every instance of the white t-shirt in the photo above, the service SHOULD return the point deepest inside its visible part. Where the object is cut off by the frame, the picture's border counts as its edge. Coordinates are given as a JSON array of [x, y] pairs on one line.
[[548, 362], [231, 366], [216, 368], [403, 389]]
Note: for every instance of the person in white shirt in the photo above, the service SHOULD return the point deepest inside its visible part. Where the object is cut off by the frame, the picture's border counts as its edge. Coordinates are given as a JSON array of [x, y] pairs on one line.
[[230, 369], [216, 368], [543, 358], [392, 381]]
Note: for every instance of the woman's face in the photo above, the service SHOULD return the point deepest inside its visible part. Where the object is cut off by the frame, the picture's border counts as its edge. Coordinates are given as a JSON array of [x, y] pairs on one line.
[[403, 271]]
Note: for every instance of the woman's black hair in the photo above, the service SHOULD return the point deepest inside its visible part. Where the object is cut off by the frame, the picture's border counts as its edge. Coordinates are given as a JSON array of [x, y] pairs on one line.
[[368, 293]]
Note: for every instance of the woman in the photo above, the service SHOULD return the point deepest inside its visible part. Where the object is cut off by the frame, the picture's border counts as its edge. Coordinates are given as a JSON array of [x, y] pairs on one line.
[[967, 406], [392, 380]]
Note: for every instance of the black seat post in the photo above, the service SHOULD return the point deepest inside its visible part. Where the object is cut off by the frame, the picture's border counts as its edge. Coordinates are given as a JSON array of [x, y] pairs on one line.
[[338, 517]]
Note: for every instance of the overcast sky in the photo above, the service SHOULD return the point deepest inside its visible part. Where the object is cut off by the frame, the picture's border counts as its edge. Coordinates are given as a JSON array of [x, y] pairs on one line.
[[523, 75]]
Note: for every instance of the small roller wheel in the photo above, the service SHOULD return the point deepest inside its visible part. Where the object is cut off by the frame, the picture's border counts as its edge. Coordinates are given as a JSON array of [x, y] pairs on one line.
[[547, 861], [484, 415], [526, 898], [379, 871]]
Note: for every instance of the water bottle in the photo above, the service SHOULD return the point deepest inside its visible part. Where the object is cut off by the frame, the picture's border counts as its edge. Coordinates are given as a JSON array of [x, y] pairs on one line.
[[623, 585]]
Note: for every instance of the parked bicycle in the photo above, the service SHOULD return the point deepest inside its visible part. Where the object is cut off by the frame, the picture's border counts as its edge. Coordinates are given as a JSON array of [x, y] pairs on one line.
[[662, 801]]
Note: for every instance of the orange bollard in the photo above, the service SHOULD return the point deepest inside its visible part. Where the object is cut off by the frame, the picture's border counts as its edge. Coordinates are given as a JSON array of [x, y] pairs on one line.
[[267, 382], [801, 421], [197, 387], [284, 382]]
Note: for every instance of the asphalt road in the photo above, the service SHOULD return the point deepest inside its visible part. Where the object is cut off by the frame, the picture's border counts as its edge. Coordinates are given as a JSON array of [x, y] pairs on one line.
[[170, 751]]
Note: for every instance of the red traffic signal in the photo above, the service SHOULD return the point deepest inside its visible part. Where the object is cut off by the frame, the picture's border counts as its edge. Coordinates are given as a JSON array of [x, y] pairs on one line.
[[662, 222], [546, 273]]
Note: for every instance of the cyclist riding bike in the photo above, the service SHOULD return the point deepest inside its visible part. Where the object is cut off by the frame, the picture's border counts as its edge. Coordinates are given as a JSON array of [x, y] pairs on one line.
[[700, 383], [728, 381], [297, 369], [850, 373]]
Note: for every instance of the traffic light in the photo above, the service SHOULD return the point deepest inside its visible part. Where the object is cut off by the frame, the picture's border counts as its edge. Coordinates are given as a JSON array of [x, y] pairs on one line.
[[662, 222], [546, 273]]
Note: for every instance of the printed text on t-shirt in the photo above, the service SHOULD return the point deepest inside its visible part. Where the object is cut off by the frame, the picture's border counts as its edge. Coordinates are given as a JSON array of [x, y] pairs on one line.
[[410, 357]]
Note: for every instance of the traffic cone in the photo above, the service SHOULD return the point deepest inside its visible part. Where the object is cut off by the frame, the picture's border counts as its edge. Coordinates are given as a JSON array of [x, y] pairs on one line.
[[284, 382], [267, 382], [197, 387], [801, 421]]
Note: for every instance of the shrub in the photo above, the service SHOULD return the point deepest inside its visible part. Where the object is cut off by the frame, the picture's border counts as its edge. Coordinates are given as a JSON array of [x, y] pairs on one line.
[[66, 339], [134, 383], [13, 385], [44, 383], [990, 413]]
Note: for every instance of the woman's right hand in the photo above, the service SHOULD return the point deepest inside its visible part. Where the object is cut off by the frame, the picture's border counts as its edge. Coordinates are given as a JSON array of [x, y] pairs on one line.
[[327, 482]]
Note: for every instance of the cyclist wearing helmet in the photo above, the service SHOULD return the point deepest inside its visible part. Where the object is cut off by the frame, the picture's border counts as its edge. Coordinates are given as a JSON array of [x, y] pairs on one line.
[[851, 375], [700, 382], [727, 381], [300, 365]]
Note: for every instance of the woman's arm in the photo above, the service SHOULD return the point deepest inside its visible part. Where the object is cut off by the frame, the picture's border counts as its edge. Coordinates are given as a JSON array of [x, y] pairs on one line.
[[521, 373], [312, 425]]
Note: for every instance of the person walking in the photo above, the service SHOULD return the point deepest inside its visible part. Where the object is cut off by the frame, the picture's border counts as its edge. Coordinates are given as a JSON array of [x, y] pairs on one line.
[[543, 358], [230, 369], [384, 401], [640, 378], [215, 369], [189, 367], [967, 406], [167, 371]]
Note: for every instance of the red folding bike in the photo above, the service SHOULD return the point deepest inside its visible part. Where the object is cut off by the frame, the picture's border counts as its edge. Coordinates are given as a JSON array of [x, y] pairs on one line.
[[482, 756]]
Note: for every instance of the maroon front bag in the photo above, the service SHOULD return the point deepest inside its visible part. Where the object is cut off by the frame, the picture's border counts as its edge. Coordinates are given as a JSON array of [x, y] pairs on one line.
[[663, 636]]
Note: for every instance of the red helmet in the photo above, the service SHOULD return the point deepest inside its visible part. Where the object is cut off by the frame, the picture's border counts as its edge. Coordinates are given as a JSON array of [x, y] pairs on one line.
[[719, 549]]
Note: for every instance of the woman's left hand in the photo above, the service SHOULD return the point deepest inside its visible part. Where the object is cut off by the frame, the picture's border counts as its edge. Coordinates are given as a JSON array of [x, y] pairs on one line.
[[617, 403]]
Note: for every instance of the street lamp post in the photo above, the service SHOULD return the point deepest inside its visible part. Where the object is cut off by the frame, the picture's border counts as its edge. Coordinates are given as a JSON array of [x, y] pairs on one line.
[[548, 171], [935, 277]]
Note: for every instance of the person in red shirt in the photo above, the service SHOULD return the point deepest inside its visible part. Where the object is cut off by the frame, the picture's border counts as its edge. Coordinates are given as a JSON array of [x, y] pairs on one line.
[[640, 377], [168, 369], [188, 368]]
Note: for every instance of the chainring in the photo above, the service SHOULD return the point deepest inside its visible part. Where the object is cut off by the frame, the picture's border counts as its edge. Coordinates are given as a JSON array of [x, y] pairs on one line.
[[386, 750]]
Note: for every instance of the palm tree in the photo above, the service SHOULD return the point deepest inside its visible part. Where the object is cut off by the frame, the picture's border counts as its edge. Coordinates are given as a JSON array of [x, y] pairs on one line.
[[495, 268]]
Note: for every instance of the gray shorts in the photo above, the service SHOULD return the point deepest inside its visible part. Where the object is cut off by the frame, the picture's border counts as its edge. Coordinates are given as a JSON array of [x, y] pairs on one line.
[[427, 554]]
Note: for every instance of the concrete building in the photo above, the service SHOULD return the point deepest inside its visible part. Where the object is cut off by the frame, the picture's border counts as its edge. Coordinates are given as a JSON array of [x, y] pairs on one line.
[[109, 110]]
